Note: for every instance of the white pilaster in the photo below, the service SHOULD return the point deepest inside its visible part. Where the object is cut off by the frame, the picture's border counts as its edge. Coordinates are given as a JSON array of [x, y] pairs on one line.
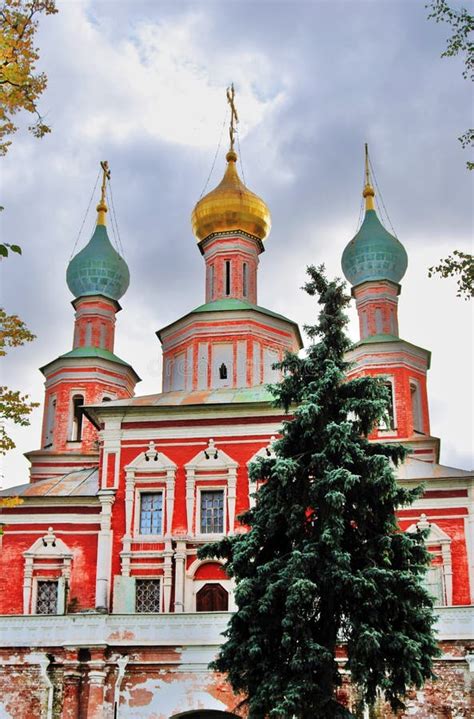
[[27, 585], [190, 482], [104, 549], [180, 558], [231, 496]]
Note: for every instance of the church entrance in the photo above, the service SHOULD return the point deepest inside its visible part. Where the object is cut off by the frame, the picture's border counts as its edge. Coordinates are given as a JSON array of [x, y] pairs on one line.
[[205, 714]]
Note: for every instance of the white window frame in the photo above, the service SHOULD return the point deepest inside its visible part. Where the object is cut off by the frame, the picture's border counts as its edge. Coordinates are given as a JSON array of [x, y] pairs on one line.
[[210, 488], [137, 577], [72, 394], [413, 382], [138, 508], [382, 429]]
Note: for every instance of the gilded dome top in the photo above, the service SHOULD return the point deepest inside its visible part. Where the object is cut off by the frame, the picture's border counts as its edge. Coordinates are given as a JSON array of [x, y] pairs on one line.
[[231, 206]]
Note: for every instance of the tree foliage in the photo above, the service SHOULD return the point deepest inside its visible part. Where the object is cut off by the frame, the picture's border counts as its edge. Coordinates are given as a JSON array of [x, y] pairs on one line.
[[323, 561], [460, 43], [460, 265], [14, 406], [20, 85]]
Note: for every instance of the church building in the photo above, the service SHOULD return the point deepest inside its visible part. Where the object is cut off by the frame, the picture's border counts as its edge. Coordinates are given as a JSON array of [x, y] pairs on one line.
[[106, 610]]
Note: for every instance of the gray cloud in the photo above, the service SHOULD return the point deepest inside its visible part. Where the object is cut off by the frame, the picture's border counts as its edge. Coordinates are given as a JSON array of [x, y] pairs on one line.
[[316, 80]]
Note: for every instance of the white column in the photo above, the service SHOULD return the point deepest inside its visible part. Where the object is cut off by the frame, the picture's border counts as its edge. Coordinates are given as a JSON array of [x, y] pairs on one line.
[[190, 482], [231, 495], [167, 574], [104, 550], [448, 571], [27, 584], [170, 477], [180, 558]]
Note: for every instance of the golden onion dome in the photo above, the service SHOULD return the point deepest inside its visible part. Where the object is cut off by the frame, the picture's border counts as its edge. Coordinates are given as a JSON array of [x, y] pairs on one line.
[[231, 206]]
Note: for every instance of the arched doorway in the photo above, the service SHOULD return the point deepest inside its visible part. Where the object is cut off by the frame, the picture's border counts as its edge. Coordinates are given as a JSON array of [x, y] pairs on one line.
[[212, 598], [205, 714]]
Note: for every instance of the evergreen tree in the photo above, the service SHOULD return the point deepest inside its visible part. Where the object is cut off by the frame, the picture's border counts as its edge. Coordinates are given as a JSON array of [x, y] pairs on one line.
[[324, 560]]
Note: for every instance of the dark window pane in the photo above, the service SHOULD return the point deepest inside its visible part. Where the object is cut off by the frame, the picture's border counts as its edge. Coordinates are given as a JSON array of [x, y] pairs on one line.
[[47, 597], [212, 512], [151, 513], [147, 595]]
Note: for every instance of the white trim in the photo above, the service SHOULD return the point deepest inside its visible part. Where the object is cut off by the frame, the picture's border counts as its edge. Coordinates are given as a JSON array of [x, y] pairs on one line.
[[437, 537], [382, 429]]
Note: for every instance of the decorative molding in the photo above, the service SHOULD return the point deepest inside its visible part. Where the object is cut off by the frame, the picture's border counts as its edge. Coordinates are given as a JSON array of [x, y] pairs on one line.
[[266, 452], [211, 463], [436, 537], [84, 630]]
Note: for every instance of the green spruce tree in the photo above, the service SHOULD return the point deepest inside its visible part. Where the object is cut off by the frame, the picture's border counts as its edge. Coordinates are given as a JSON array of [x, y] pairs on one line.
[[323, 560]]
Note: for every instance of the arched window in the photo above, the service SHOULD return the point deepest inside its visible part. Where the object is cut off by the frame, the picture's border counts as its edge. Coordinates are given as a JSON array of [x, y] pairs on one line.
[[227, 277], [212, 598], [77, 404]]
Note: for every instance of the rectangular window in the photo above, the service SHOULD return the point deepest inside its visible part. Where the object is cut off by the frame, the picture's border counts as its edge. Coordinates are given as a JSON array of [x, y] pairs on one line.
[[47, 597], [245, 279], [434, 585], [212, 512], [227, 277], [151, 513], [147, 595]]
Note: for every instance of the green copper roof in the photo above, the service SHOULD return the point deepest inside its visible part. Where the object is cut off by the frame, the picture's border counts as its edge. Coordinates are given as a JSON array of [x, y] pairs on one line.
[[376, 339], [374, 254], [232, 304], [98, 269], [94, 352]]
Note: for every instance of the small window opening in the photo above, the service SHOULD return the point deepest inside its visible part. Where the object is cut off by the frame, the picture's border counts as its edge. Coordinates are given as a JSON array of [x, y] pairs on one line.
[[389, 421], [77, 404], [47, 597], [106, 399], [227, 277], [245, 279], [223, 371], [416, 408]]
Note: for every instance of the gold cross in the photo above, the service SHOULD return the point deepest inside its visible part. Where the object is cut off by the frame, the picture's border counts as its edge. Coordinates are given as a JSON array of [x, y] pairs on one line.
[[105, 176], [234, 118]]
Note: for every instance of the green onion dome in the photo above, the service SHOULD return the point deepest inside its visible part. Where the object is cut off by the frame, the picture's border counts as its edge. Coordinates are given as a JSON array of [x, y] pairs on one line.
[[373, 254], [98, 269]]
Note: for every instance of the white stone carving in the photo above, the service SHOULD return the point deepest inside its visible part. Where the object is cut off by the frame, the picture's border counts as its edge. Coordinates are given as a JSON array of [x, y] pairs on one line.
[[211, 463], [437, 537]]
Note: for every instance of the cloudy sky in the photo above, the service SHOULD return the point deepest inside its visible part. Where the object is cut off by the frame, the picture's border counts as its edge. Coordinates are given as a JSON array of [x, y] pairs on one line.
[[142, 84]]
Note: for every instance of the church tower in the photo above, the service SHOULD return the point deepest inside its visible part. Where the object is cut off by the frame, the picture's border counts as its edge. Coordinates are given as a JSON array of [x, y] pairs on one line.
[[90, 373], [229, 343], [374, 262]]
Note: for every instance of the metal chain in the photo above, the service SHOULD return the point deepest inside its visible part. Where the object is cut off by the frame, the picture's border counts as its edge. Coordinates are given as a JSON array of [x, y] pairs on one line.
[[85, 217], [215, 156]]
